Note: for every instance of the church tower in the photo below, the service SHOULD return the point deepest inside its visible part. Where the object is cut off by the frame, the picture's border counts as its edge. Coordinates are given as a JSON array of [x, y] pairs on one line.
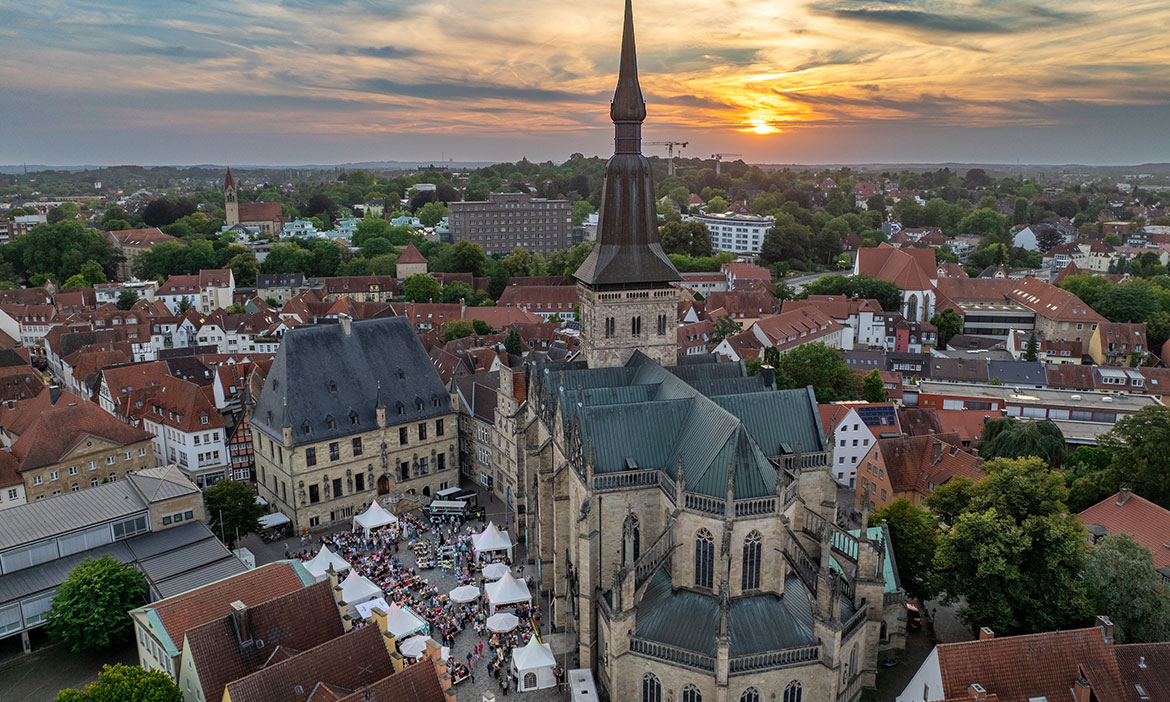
[[627, 301], [231, 204]]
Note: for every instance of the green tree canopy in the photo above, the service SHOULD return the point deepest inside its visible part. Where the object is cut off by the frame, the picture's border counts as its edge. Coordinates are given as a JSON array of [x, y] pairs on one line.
[[467, 257], [421, 287], [1012, 550], [457, 329], [431, 213], [126, 299], [125, 683], [949, 324], [689, 238], [914, 538], [724, 327], [1124, 586], [89, 610], [1140, 460], [1013, 438], [872, 387], [513, 344], [60, 250], [887, 294], [232, 510], [455, 291], [821, 367]]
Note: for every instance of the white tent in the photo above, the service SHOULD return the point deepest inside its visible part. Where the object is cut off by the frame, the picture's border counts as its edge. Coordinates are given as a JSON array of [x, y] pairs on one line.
[[495, 571], [491, 539], [503, 622], [402, 621], [507, 590], [534, 665], [356, 589], [365, 608], [374, 517], [317, 565], [464, 594], [413, 647], [271, 521]]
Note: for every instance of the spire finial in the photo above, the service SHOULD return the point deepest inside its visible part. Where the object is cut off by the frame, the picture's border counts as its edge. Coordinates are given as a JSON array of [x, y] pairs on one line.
[[628, 104]]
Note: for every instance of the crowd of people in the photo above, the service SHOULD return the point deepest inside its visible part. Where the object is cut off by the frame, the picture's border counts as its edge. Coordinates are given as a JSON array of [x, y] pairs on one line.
[[443, 542]]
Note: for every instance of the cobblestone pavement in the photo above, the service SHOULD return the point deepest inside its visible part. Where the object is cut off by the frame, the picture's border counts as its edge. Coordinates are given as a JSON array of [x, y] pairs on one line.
[[467, 691], [40, 675]]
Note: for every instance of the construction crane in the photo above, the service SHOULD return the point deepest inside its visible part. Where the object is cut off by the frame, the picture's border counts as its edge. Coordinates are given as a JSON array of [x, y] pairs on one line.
[[718, 158], [670, 152]]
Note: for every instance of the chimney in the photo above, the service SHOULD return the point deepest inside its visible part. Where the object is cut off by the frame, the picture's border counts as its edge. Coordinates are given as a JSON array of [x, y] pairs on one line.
[[1123, 496], [1082, 691], [346, 323], [986, 633], [976, 692], [1106, 625], [240, 619]]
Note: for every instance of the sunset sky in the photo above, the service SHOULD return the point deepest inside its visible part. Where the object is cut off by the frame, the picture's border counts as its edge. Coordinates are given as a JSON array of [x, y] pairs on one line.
[[779, 81]]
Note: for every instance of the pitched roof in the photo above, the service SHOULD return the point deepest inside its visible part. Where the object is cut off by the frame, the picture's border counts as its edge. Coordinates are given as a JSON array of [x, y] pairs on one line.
[[349, 374], [909, 269], [58, 428], [836, 306], [1145, 664], [188, 610], [293, 622], [411, 254], [260, 212], [1052, 302], [916, 463], [347, 663], [414, 683], [143, 237], [1023, 668], [1126, 513]]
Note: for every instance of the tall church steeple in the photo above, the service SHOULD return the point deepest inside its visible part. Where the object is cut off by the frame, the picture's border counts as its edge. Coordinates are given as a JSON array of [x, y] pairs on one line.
[[231, 203], [627, 300]]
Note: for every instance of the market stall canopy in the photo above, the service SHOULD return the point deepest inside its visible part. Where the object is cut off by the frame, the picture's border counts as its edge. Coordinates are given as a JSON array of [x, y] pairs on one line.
[[414, 647], [402, 621], [492, 539], [464, 594], [356, 589], [495, 571], [374, 517], [319, 564], [270, 521], [365, 608], [507, 590], [503, 622], [534, 664]]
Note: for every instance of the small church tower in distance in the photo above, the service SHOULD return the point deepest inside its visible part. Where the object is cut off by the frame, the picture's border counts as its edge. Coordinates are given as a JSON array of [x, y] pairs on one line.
[[628, 302], [231, 204]]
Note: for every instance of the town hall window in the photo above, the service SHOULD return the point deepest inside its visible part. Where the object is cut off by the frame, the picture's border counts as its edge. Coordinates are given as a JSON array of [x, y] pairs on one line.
[[751, 561], [704, 559]]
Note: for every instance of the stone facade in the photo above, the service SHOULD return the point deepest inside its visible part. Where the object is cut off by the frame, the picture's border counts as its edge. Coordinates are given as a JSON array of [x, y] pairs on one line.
[[316, 490], [615, 323], [91, 463]]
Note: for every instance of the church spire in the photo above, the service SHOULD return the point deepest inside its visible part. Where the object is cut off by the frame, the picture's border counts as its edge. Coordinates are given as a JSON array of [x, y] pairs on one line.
[[627, 251]]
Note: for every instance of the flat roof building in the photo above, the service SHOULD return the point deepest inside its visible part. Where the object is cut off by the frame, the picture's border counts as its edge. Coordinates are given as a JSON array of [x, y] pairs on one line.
[[507, 220]]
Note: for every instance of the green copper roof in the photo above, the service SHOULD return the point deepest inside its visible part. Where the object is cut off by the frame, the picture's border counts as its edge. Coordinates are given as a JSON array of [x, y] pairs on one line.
[[849, 547]]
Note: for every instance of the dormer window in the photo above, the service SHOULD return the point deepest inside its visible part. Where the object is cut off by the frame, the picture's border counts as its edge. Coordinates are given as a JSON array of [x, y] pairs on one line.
[[401, 409], [418, 404], [308, 428], [330, 423], [401, 374], [332, 386], [203, 419]]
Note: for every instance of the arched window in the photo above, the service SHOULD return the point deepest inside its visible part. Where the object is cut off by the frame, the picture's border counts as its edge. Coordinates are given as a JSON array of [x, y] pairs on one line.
[[690, 693], [651, 688], [750, 695], [632, 533], [794, 692], [704, 559], [852, 663], [530, 681], [912, 308], [752, 549]]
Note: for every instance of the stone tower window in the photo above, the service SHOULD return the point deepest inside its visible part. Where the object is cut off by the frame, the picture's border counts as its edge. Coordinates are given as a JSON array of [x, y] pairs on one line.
[[636, 326], [609, 327], [704, 559], [752, 547]]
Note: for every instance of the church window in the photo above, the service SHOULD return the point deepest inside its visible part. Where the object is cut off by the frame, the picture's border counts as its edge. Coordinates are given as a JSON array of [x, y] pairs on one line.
[[752, 547], [609, 327], [704, 559], [636, 326], [750, 695], [661, 325], [651, 688], [690, 693], [794, 692]]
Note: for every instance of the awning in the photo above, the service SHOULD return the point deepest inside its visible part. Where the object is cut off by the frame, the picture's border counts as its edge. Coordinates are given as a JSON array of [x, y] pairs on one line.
[[269, 521]]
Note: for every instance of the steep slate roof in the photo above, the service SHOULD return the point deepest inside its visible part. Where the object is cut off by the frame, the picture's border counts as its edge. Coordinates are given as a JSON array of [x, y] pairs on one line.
[[346, 663], [298, 620], [1146, 522], [688, 619], [648, 416], [321, 372]]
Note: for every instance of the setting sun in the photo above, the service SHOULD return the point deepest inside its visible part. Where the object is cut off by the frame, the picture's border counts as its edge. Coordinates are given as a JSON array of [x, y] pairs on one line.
[[761, 126]]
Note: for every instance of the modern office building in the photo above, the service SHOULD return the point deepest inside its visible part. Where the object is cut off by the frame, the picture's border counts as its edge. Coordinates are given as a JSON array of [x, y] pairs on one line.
[[736, 232], [507, 220]]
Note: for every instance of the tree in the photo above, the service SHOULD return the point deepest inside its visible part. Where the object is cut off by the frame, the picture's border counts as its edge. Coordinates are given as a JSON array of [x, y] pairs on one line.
[[689, 238], [89, 610], [876, 203], [64, 212], [1123, 585], [92, 271], [787, 241], [421, 287], [457, 329], [717, 205], [914, 538], [431, 213], [244, 268], [821, 367], [321, 204], [126, 299], [75, 282], [163, 211], [513, 344], [1012, 438], [184, 304], [1047, 238], [467, 257], [581, 211], [724, 327], [482, 328], [125, 683], [862, 286], [1020, 211], [288, 258], [59, 251], [872, 387], [456, 291], [988, 224], [516, 262], [1013, 551], [949, 324], [232, 510], [1032, 351], [498, 282], [1140, 460]]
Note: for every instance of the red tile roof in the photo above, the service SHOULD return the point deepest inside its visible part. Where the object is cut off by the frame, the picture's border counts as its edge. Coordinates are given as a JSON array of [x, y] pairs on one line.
[[1052, 302], [914, 463], [1146, 522], [143, 237], [836, 306], [411, 254], [260, 212], [414, 683], [58, 428], [909, 269], [188, 610]]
